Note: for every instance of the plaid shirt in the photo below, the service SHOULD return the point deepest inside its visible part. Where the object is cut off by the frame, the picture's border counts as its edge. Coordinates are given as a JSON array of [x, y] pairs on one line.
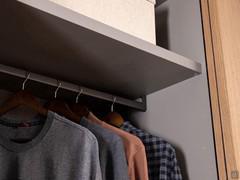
[[161, 157]]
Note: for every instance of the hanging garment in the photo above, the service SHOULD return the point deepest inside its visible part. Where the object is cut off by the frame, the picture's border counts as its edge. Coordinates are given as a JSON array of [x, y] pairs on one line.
[[56, 150], [162, 161], [134, 149], [111, 152]]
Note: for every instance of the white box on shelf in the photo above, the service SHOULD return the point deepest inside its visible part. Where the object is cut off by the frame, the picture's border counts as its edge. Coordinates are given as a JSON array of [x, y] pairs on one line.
[[135, 17]]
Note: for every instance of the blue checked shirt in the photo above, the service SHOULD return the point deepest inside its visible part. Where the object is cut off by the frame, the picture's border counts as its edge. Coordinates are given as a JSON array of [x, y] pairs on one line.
[[161, 157]]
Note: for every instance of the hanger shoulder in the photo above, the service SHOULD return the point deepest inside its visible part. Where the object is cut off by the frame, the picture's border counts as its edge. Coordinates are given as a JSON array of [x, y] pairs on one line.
[[114, 119], [22, 98], [80, 110], [63, 109]]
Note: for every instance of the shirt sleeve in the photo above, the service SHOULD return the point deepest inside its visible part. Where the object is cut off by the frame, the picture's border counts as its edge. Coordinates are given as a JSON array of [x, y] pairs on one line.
[[140, 167], [174, 168]]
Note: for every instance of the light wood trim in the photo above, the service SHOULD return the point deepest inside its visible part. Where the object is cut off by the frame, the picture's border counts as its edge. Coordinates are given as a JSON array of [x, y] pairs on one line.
[[217, 124], [219, 89], [229, 32]]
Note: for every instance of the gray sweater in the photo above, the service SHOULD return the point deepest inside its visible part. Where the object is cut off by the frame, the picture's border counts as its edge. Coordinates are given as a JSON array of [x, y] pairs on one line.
[[58, 150], [112, 155]]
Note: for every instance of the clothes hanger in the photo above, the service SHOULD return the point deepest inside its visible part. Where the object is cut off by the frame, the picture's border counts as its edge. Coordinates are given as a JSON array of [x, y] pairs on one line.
[[79, 109], [113, 117], [61, 107], [23, 98]]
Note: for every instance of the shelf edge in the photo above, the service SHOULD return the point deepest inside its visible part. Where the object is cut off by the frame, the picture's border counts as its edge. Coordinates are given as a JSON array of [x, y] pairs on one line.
[[98, 27]]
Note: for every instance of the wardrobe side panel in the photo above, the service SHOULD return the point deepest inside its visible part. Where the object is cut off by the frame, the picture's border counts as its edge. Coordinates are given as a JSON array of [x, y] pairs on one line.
[[226, 30], [181, 113], [219, 99]]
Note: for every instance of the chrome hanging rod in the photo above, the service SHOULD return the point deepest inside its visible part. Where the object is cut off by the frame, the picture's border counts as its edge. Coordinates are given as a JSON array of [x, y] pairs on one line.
[[75, 88]]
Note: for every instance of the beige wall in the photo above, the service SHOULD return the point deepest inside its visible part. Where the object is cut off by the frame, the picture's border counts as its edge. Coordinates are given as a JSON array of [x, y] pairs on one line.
[[135, 17]]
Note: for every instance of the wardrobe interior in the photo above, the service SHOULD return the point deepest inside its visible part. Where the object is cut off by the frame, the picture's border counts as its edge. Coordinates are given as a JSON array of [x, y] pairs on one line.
[[180, 113]]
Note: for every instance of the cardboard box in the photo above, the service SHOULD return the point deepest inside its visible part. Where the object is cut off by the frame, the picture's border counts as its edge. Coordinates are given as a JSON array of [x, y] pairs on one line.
[[135, 17]]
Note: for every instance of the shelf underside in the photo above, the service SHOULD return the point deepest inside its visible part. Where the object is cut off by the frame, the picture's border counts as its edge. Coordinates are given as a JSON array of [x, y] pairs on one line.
[[74, 48]]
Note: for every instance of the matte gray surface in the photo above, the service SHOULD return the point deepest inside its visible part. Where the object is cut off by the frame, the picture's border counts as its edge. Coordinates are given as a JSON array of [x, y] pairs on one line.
[[181, 113], [85, 52]]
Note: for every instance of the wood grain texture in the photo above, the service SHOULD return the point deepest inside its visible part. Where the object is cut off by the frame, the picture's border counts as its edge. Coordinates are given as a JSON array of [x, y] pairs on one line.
[[217, 124], [229, 25], [224, 64]]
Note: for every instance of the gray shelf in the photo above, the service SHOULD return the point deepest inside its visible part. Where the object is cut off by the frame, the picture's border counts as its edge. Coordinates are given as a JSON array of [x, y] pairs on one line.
[[48, 39]]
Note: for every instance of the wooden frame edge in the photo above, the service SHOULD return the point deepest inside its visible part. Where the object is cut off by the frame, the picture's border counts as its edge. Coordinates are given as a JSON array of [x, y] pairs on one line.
[[218, 92]]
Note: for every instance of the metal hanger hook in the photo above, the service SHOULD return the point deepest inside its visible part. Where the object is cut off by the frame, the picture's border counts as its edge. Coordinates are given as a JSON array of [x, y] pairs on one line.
[[24, 82], [114, 101], [56, 91], [79, 94]]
